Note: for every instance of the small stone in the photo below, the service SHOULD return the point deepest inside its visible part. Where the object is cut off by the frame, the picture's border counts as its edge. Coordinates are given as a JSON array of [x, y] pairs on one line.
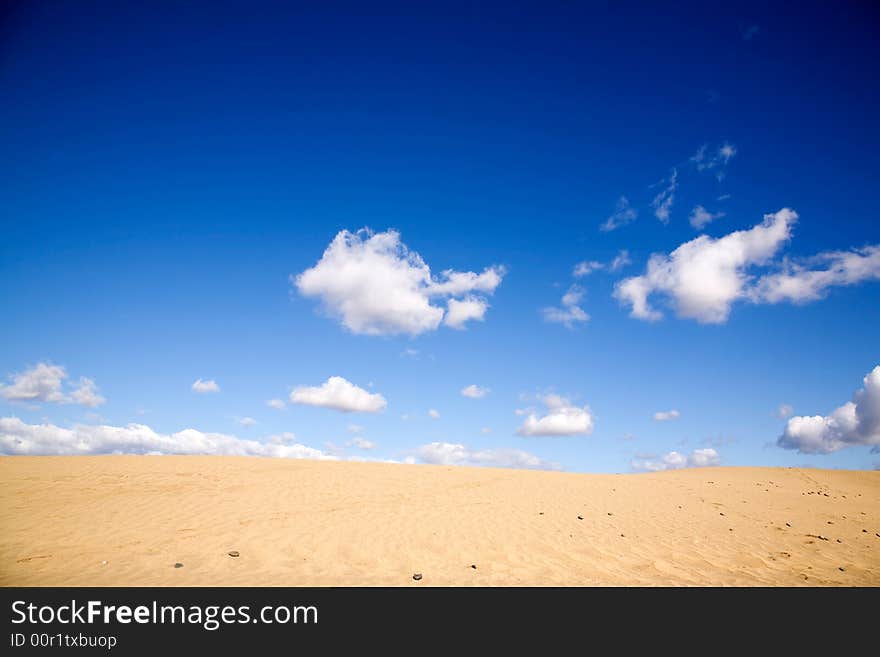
[[842, 569], [474, 566], [417, 576], [622, 536], [580, 517], [839, 541], [788, 524], [720, 514], [864, 531], [178, 565], [610, 514], [233, 553]]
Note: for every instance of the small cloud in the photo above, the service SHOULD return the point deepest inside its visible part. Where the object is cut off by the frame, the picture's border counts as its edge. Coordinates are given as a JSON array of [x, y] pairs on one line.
[[246, 421], [620, 261], [205, 387], [664, 416], [361, 443], [784, 411], [570, 312], [562, 419], [474, 391], [468, 309], [339, 394], [277, 404], [440, 453], [724, 197], [486, 430], [45, 382], [586, 268], [354, 428], [701, 217], [699, 458], [662, 202], [714, 160], [434, 414], [409, 352], [623, 214]]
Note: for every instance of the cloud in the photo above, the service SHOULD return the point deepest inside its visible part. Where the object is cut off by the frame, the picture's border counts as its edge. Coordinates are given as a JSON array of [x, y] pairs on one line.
[[703, 277], [784, 411], [662, 203], [354, 428], [562, 419], [855, 423], [460, 312], [246, 421], [586, 268], [474, 391], [485, 430], [16, 437], [699, 458], [570, 312], [620, 261], [715, 160], [361, 443], [440, 453], [623, 214], [376, 286], [277, 404], [45, 383], [338, 393], [203, 387], [701, 217], [810, 280], [409, 352], [434, 414], [663, 416]]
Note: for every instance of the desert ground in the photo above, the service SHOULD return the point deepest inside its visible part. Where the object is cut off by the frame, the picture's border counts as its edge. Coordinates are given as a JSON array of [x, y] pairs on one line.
[[174, 520]]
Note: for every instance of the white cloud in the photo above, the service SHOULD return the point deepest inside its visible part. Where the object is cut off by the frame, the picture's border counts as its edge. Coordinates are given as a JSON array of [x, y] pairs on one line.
[[485, 430], [620, 261], [460, 312], [338, 393], [701, 217], [45, 382], [246, 421], [855, 423], [715, 160], [662, 203], [799, 283], [474, 391], [434, 414], [440, 453], [623, 215], [376, 286], [562, 419], [570, 312], [354, 428], [203, 387], [699, 458], [410, 352], [361, 443], [586, 268], [705, 276], [663, 416], [277, 404], [784, 411], [16, 437]]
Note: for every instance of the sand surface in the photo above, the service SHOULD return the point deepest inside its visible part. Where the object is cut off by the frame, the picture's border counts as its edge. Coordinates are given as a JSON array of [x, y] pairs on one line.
[[126, 521]]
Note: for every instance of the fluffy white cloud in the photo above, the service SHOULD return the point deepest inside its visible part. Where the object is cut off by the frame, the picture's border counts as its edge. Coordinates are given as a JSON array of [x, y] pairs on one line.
[[784, 411], [277, 404], [699, 458], [715, 160], [623, 214], [809, 280], [203, 387], [620, 261], [855, 423], [361, 443], [376, 286], [474, 391], [561, 419], [663, 416], [460, 312], [586, 268], [662, 203], [570, 312], [340, 394], [45, 383], [701, 217], [705, 276], [16, 437], [440, 453], [433, 414]]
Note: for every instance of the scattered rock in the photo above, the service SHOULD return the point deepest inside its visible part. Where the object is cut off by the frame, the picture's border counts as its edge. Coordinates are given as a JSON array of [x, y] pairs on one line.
[[610, 514], [580, 517], [830, 523], [540, 513], [864, 531], [417, 576], [839, 541], [788, 524], [842, 569], [720, 514], [233, 553], [474, 566], [178, 565], [622, 536]]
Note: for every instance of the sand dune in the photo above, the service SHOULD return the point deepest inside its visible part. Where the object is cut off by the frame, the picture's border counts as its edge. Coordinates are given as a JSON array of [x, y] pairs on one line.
[[127, 520]]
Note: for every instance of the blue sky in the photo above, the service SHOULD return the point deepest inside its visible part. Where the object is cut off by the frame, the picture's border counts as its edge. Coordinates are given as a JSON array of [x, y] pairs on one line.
[[167, 173]]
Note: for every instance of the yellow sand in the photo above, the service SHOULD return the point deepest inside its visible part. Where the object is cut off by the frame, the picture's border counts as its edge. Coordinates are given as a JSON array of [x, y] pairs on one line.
[[126, 520]]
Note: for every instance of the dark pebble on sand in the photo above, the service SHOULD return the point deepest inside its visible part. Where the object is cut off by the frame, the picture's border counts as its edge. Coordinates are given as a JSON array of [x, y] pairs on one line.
[[474, 566], [842, 569], [233, 553], [610, 514], [788, 524], [580, 517], [178, 565], [417, 576]]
